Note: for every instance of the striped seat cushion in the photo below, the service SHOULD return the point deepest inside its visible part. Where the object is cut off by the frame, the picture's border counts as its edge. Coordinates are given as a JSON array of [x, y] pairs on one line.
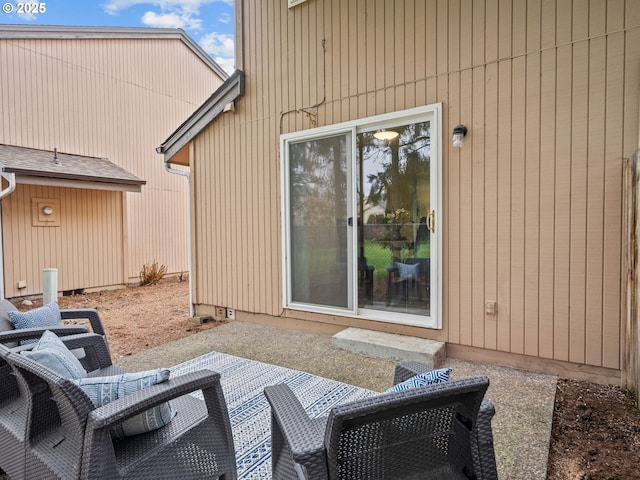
[[422, 379]]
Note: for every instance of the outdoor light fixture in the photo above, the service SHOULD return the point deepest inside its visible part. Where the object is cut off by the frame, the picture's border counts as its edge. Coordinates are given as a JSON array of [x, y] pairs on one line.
[[386, 135], [47, 210], [459, 133]]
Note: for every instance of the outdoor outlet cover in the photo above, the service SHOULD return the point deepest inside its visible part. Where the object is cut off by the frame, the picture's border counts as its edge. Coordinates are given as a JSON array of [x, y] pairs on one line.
[[231, 314], [490, 308]]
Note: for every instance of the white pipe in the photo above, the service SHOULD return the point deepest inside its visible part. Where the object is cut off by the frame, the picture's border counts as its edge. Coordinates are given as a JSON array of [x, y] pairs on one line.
[[11, 178], [49, 285], [182, 173]]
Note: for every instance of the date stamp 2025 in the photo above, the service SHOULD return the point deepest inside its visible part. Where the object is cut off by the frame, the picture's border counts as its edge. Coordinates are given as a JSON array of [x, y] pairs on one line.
[[26, 8]]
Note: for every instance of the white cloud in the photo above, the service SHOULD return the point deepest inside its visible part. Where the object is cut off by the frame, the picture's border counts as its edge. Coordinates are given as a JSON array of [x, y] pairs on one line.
[[221, 47], [185, 14], [227, 64], [171, 20], [224, 19], [218, 44], [114, 6]]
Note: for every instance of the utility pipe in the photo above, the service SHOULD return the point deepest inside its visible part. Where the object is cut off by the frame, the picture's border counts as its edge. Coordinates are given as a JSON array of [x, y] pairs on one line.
[[187, 175], [11, 178], [49, 285]]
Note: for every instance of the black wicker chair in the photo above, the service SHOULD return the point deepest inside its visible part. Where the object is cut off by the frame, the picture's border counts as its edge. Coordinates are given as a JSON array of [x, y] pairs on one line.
[[442, 431], [63, 435]]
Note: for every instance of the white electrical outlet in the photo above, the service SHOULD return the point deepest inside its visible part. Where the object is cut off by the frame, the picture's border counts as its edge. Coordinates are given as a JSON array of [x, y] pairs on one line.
[[231, 314]]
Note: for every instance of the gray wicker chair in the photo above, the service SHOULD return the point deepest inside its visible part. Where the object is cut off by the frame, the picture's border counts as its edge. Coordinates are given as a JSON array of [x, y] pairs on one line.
[[63, 435], [14, 396], [425, 433], [11, 337], [13, 418]]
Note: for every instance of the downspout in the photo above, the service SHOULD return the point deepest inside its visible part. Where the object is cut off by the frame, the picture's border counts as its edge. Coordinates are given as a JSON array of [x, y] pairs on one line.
[[11, 178], [175, 171]]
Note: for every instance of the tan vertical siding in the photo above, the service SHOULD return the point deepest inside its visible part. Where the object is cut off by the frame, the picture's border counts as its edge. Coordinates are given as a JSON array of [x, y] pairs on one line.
[[532, 203], [117, 98], [489, 76], [89, 239]]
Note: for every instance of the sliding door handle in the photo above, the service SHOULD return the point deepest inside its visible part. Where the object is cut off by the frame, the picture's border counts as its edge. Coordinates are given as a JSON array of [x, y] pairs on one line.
[[431, 221]]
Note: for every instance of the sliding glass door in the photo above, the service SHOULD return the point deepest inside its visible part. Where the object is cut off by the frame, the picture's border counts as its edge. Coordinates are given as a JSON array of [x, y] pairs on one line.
[[319, 233], [395, 218], [360, 203]]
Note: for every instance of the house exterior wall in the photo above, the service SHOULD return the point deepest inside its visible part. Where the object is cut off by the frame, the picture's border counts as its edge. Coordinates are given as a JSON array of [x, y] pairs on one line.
[[108, 97], [532, 205], [94, 215]]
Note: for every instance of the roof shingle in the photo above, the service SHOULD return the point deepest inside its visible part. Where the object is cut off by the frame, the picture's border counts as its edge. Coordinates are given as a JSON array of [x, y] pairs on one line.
[[41, 163]]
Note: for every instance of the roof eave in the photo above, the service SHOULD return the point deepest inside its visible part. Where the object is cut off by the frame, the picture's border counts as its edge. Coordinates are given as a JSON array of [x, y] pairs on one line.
[[228, 92], [64, 32], [88, 184], [71, 176]]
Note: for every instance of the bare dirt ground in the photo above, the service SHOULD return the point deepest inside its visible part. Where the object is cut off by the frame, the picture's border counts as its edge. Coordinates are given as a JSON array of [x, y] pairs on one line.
[[137, 318], [596, 429]]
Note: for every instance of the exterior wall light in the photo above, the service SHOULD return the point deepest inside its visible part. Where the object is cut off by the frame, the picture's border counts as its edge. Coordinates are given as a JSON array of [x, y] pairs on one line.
[[47, 210], [459, 133]]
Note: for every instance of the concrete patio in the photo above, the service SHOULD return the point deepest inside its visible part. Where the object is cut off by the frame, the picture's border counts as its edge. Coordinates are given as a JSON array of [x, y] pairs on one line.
[[523, 400]]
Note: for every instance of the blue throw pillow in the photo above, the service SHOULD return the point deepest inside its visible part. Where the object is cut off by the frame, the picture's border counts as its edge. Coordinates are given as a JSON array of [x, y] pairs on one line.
[[422, 379], [408, 271], [102, 390], [52, 353], [45, 316]]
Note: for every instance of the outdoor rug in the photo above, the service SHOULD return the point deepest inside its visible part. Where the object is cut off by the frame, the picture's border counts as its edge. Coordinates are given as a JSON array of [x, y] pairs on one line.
[[243, 382]]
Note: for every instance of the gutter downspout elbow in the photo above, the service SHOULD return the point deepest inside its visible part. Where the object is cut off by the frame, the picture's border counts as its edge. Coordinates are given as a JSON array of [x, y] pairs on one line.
[[186, 175], [11, 178]]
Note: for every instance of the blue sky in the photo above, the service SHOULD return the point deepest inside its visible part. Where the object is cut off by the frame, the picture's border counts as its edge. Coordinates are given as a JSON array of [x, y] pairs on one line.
[[208, 22]]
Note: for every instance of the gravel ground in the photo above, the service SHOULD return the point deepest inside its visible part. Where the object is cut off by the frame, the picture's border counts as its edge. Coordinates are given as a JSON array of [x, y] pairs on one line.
[[523, 400]]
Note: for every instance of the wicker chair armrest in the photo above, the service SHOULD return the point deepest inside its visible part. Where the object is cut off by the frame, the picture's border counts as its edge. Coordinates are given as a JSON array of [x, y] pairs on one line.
[[99, 457], [484, 441], [112, 413], [95, 347], [96, 353], [7, 336], [88, 313], [303, 436]]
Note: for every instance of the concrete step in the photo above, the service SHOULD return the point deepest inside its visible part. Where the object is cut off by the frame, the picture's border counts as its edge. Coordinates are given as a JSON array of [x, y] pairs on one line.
[[391, 346]]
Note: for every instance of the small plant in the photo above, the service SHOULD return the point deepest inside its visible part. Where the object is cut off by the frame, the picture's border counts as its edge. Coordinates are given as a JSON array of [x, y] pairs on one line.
[[631, 395], [152, 273]]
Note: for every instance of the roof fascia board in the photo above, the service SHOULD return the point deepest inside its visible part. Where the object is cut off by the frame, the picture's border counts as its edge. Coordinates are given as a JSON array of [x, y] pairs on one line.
[[228, 92], [72, 177], [66, 183], [61, 32]]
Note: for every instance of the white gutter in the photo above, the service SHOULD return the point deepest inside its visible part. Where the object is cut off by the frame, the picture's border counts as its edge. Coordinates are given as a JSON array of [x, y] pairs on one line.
[[182, 173], [221, 101], [11, 178]]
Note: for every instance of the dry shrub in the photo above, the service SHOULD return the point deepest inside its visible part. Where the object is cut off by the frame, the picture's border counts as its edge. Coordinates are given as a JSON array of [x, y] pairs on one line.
[[152, 273]]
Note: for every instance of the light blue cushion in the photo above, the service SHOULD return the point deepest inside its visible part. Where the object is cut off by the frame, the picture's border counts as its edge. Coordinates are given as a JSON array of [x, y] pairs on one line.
[[408, 271], [45, 316], [52, 353], [102, 390], [422, 380]]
